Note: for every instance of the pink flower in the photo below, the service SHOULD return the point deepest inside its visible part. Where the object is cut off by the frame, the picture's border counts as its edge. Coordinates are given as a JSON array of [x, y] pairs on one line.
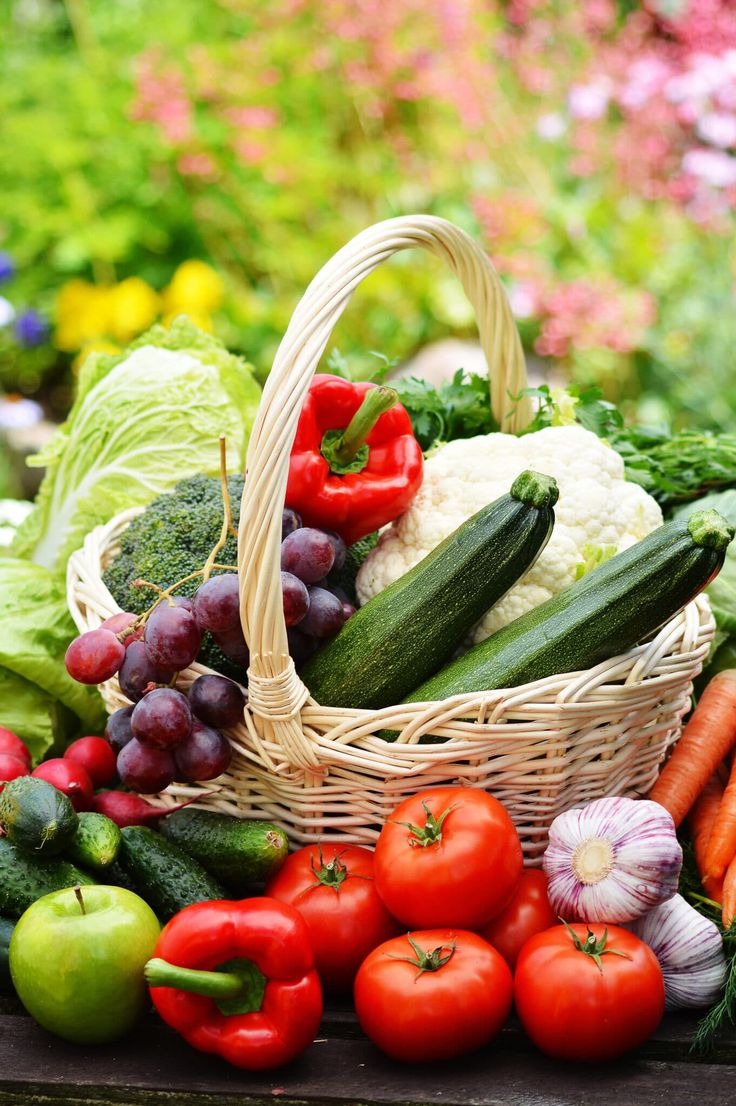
[[718, 128], [713, 166], [551, 126], [589, 101]]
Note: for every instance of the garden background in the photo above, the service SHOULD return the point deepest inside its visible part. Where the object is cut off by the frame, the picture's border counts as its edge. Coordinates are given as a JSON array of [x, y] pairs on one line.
[[207, 158]]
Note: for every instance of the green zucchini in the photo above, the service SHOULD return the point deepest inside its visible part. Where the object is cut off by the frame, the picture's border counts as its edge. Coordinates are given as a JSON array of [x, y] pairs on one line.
[[96, 843], [599, 616], [237, 851], [25, 878], [165, 876], [36, 816], [6, 932], [409, 630]]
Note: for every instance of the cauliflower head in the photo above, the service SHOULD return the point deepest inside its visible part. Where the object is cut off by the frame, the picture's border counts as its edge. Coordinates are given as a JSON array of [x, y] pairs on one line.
[[598, 513]]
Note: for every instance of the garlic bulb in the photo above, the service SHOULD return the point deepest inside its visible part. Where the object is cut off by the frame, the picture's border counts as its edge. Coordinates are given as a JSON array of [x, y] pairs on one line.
[[689, 948], [612, 860]]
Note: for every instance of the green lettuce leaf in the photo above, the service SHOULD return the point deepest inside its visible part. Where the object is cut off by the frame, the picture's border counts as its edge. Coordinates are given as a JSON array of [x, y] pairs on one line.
[[142, 420], [38, 699]]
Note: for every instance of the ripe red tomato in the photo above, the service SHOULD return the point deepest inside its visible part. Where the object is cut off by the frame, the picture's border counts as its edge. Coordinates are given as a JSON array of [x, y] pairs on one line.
[[433, 994], [333, 889], [448, 857], [528, 913], [588, 993]]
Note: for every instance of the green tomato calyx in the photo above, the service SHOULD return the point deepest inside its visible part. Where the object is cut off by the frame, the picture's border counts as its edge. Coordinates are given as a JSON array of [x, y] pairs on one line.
[[427, 960], [428, 834], [592, 947]]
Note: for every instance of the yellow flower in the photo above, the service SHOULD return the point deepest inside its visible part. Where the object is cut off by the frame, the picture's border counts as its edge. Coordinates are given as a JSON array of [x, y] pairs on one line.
[[134, 305], [100, 345], [195, 287], [82, 314]]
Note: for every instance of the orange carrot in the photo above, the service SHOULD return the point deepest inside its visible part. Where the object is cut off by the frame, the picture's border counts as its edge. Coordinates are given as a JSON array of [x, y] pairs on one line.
[[708, 737], [721, 847], [729, 895], [702, 819]]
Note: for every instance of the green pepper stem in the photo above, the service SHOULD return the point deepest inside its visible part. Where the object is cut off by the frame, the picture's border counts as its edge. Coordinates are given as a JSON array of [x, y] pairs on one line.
[[217, 985], [375, 403]]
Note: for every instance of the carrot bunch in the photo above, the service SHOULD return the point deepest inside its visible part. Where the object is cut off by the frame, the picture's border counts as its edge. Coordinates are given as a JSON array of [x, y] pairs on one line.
[[689, 784]]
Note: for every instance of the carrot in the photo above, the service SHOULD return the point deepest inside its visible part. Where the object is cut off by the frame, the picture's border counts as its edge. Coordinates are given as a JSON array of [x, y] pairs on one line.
[[729, 895], [702, 819], [721, 847], [708, 737]]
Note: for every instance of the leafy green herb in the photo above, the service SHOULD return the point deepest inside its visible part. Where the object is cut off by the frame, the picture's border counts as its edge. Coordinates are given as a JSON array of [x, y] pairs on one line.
[[459, 408]]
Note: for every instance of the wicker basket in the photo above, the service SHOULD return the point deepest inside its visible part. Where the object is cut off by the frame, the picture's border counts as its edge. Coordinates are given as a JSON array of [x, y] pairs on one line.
[[322, 771]]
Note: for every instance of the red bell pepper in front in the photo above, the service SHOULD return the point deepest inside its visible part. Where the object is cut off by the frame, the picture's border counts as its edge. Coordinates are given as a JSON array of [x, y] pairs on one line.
[[355, 463], [238, 979]]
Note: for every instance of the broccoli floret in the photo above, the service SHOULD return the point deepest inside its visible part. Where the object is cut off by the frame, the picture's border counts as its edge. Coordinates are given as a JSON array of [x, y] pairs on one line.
[[170, 539]]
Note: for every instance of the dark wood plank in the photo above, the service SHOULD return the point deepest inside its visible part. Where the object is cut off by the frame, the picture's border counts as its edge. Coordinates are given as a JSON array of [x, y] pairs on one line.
[[155, 1067]]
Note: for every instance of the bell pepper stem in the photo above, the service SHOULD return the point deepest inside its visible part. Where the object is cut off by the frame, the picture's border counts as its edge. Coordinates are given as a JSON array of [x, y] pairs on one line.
[[376, 402], [217, 985]]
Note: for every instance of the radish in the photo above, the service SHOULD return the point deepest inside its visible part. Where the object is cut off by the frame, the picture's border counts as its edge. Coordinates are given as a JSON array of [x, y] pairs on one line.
[[68, 777], [11, 744], [10, 768], [126, 809], [95, 756]]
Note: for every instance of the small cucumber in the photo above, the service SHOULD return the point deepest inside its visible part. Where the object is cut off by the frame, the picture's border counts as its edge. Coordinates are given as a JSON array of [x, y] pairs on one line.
[[237, 851], [599, 616], [167, 878], [410, 629], [96, 843], [6, 932], [116, 874], [25, 878], [36, 816]]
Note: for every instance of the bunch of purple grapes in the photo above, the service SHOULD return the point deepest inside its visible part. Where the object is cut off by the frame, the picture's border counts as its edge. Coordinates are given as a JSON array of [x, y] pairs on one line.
[[169, 736], [314, 608]]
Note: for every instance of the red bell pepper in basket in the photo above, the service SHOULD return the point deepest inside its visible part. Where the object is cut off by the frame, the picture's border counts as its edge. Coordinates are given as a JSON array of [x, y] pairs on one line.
[[355, 463], [238, 979]]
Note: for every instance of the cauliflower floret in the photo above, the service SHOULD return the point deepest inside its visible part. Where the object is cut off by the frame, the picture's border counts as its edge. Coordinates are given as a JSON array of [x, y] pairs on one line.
[[597, 510]]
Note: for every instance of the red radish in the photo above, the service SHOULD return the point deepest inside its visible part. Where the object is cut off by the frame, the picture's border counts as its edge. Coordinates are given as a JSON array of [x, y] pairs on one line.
[[10, 768], [68, 777], [126, 809], [95, 756], [121, 621], [11, 744]]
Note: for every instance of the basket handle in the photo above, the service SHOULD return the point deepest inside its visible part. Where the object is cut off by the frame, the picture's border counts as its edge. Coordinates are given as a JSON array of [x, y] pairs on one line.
[[276, 692]]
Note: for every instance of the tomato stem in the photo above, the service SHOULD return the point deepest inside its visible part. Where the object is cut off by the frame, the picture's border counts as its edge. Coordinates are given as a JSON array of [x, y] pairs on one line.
[[591, 946], [426, 960], [428, 834]]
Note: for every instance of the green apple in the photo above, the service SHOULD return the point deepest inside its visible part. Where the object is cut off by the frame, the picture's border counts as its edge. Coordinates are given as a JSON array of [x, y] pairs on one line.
[[76, 959]]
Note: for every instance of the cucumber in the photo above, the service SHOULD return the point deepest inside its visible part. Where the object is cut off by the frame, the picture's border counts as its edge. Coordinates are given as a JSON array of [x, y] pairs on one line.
[[599, 616], [6, 932], [96, 843], [411, 628], [36, 816], [236, 851], [25, 878], [166, 877], [116, 874]]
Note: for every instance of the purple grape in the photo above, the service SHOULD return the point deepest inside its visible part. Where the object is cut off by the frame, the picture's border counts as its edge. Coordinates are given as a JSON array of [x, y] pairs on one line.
[[216, 701], [183, 601], [308, 554], [325, 615], [295, 598], [290, 521], [330, 585], [94, 656], [144, 769], [162, 718], [172, 637], [118, 731], [348, 610], [138, 671], [232, 643], [217, 603], [205, 754], [341, 549], [301, 646]]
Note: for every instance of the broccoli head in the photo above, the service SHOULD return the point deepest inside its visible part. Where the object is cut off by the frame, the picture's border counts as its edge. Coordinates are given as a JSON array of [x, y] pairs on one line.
[[171, 539]]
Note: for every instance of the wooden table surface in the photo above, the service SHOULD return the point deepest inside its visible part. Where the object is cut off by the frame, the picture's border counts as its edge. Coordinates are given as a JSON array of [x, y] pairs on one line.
[[154, 1067]]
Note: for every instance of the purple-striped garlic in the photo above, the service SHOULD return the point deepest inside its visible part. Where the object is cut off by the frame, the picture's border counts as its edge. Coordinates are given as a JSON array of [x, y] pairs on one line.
[[689, 948], [612, 860]]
